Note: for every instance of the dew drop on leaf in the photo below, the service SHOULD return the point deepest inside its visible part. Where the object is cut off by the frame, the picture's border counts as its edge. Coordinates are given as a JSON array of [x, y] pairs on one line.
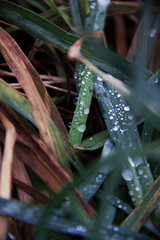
[[130, 117], [127, 175], [127, 108], [115, 128], [86, 111], [81, 127], [140, 171], [156, 80]]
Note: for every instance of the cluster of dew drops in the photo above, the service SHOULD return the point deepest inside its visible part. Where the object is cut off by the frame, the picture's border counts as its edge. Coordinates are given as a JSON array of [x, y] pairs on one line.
[[82, 105]]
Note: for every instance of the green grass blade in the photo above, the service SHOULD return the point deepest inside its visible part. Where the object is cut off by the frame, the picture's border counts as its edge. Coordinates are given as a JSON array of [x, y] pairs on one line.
[[59, 221], [21, 105], [47, 31], [95, 142], [16, 101], [121, 126], [83, 107], [60, 13], [76, 14], [146, 206], [92, 183]]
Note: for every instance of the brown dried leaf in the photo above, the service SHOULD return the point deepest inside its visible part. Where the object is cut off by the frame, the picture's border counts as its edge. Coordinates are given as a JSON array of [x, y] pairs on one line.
[[33, 153], [6, 169], [20, 173], [33, 87]]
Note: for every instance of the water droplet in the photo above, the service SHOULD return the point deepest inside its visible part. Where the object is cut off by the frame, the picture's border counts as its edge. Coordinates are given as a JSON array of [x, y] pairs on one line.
[[145, 176], [130, 117], [86, 111], [99, 78], [137, 189], [152, 33], [83, 82], [130, 160], [118, 95], [156, 80], [138, 161], [131, 193], [140, 171], [115, 128], [127, 108], [75, 100], [115, 229], [111, 117], [127, 175], [81, 229], [82, 102], [81, 127], [109, 227]]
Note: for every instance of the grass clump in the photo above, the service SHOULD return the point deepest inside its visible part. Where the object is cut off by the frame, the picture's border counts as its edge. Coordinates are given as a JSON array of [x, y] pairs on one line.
[[83, 123]]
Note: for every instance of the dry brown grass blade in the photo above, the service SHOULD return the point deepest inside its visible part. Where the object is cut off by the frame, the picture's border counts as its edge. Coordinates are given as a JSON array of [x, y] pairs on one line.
[[33, 87], [31, 191], [6, 168], [121, 41], [33, 153], [128, 7], [20, 173]]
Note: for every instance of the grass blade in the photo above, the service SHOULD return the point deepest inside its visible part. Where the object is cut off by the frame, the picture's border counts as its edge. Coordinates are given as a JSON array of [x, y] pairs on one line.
[[6, 168], [83, 107], [146, 206], [40, 102], [49, 32]]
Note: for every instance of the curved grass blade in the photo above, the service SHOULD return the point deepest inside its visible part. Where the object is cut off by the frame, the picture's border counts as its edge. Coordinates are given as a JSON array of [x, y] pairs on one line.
[[47, 31], [95, 142], [21, 105], [92, 183], [6, 168], [16, 101], [147, 102], [145, 208], [59, 221], [40, 102], [58, 12]]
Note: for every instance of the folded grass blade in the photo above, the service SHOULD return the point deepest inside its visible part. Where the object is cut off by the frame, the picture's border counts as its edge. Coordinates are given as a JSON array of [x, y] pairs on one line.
[[37, 95], [6, 168]]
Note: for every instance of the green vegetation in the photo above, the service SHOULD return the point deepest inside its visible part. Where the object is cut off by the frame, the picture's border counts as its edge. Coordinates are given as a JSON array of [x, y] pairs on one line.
[[80, 137]]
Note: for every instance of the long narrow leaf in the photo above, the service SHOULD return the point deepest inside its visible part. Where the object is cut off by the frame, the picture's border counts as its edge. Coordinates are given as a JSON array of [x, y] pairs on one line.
[[45, 30]]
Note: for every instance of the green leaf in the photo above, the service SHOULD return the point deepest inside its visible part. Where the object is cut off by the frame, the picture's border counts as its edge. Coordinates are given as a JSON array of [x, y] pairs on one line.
[[146, 206], [95, 142], [60, 221], [16, 101], [59, 38], [83, 106]]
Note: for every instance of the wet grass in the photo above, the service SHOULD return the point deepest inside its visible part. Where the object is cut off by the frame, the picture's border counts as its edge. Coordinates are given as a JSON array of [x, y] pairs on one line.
[[86, 157]]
